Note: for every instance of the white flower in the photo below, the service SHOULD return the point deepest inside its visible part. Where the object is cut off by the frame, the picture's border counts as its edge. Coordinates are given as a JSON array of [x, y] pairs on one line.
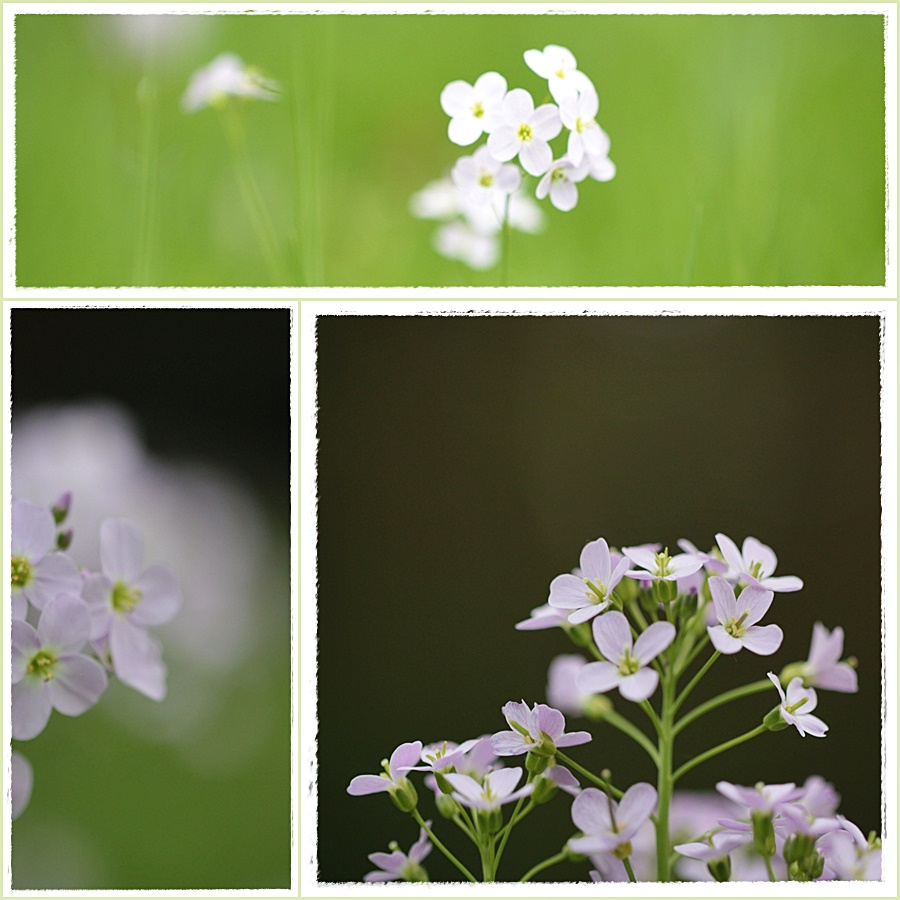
[[439, 199], [799, 697], [483, 179], [471, 107], [558, 66], [560, 181], [525, 131], [226, 76], [457, 240], [586, 137], [601, 168]]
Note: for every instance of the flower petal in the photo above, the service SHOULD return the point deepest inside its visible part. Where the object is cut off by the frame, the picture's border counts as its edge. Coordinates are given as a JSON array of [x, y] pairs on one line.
[[55, 574], [639, 686], [25, 643], [509, 743], [755, 551], [121, 550], [730, 552], [536, 157], [782, 584], [464, 129], [503, 143], [595, 563], [30, 708], [564, 195], [568, 592], [612, 635], [722, 640], [456, 98], [517, 107], [723, 599], [636, 806], [653, 641], [78, 684], [763, 640], [550, 721], [137, 659], [368, 784], [586, 613], [160, 597], [32, 530], [405, 757], [754, 603]]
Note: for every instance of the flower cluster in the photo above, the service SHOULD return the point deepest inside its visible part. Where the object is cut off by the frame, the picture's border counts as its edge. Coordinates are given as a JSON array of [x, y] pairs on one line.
[[72, 627], [645, 618], [486, 191]]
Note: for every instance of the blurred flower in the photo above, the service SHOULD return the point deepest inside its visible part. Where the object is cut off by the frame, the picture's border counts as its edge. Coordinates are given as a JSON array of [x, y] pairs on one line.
[[396, 866], [559, 67], [562, 690], [766, 798], [849, 856], [124, 600], [824, 668], [737, 617], [627, 665], [608, 826], [483, 179], [48, 669], [38, 574], [472, 108], [21, 783], [457, 240], [524, 131], [226, 76]]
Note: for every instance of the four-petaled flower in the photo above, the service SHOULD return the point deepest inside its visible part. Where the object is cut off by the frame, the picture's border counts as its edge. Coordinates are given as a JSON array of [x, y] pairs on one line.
[[37, 573], [472, 107], [402, 760], [755, 562], [49, 671], [559, 67], [627, 665], [560, 182], [539, 730], [525, 131], [660, 566], [484, 179], [607, 826], [586, 137], [399, 866], [797, 698], [497, 789], [441, 756], [123, 601], [589, 592], [737, 617]]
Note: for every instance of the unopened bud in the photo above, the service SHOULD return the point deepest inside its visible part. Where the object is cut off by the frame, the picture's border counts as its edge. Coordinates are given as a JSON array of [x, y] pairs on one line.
[[60, 509], [544, 789], [443, 784], [664, 591], [763, 833], [798, 847], [64, 539], [720, 868], [446, 806], [774, 721], [404, 796], [538, 762]]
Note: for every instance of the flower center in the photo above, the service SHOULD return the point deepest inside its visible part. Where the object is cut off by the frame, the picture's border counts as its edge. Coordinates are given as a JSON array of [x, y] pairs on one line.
[[663, 563], [41, 665], [560, 73], [124, 597], [559, 174], [596, 589], [21, 572], [525, 132], [486, 179], [755, 570], [736, 626], [478, 110], [628, 665], [581, 124]]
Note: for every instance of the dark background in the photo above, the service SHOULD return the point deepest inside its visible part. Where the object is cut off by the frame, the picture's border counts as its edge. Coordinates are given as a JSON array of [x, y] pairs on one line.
[[210, 388], [464, 462]]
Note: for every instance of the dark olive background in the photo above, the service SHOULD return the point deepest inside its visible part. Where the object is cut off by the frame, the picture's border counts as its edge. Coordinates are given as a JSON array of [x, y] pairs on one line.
[[464, 461]]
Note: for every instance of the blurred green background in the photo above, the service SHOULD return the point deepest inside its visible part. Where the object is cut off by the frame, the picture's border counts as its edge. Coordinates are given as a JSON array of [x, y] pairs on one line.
[[192, 792], [750, 149], [463, 462]]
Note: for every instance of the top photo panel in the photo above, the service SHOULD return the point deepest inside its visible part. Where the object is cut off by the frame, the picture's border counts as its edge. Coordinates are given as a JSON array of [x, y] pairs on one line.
[[370, 150]]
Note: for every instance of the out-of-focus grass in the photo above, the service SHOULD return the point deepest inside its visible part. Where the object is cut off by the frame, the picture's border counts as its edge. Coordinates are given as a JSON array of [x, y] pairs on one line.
[[750, 150]]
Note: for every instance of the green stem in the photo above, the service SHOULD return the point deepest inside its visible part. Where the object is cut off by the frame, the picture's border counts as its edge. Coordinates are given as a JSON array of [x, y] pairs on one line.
[[550, 861], [757, 687], [632, 731], [665, 781], [715, 751], [262, 224], [464, 828], [148, 101], [506, 831], [434, 840], [629, 870], [604, 785], [651, 712], [695, 680], [769, 868]]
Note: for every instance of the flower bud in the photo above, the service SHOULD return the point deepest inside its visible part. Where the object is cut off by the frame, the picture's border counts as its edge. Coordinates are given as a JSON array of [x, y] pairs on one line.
[[774, 721], [60, 509], [664, 591], [536, 762], [763, 833], [720, 868], [404, 796], [544, 789], [686, 606], [798, 847], [597, 706], [443, 784], [446, 806], [64, 539], [490, 821]]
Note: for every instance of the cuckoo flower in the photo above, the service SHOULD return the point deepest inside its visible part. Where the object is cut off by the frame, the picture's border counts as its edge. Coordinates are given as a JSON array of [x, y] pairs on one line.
[[607, 826], [586, 137], [559, 67], [525, 131], [539, 730], [849, 856], [737, 617], [627, 665], [398, 866], [402, 760], [755, 563], [765, 798], [38, 574], [49, 670], [660, 566], [588, 594], [497, 789], [441, 756], [472, 107], [541, 617], [799, 698], [226, 76], [560, 183], [484, 179], [124, 600]]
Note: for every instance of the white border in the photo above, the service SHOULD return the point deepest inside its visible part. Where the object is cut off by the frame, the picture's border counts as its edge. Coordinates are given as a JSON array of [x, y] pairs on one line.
[[889, 10], [311, 310], [292, 891]]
